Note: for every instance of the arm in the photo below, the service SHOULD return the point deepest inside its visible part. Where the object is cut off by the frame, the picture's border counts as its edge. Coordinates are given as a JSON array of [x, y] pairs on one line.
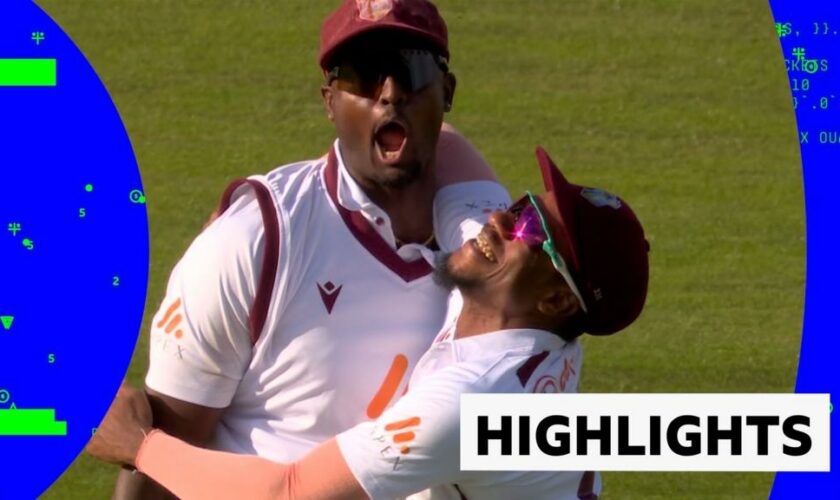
[[373, 459], [467, 190], [322, 475], [457, 160], [126, 437], [414, 445], [190, 422], [200, 345]]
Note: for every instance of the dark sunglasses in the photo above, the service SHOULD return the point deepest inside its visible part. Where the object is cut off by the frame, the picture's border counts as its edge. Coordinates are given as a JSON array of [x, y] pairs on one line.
[[530, 227], [363, 75]]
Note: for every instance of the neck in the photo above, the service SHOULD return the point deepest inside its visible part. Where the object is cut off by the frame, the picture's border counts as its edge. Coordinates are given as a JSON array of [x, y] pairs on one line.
[[409, 207], [477, 318]]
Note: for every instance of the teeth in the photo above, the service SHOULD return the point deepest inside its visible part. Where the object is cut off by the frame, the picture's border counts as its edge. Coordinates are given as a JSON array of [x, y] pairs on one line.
[[389, 155], [485, 247]]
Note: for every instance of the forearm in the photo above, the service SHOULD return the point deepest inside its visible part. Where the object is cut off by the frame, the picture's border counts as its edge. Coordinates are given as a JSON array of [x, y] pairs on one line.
[[192, 472], [189, 422], [135, 486]]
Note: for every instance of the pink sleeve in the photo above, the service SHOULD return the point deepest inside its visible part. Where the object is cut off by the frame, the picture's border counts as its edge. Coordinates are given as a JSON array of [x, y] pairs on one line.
[[459, 161], [192, 472]]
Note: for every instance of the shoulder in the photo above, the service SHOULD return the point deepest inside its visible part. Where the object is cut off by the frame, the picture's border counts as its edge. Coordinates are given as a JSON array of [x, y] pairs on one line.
[[489, 194], [297, 178], [552, 370], [446, 384], [235, 235], [518, 370], [240, 228]]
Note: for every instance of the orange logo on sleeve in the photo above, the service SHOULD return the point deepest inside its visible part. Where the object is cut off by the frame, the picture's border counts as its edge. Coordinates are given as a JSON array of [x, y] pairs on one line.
[[171, 320], [403, 432]]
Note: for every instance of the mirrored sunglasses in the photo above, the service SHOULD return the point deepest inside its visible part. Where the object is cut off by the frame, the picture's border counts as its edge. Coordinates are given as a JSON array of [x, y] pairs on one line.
[[363, 75], [530, 227]]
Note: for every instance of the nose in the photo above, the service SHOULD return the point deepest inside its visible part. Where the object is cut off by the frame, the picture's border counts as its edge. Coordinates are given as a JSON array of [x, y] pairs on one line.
[[391, 92], [503, 221]]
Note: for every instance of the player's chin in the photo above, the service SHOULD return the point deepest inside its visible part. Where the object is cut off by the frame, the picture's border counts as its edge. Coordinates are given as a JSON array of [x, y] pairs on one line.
[[400, 175], [468, 264], [451, 275]]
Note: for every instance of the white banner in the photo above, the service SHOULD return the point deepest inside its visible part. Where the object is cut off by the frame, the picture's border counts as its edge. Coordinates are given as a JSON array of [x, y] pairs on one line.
[[645, 432]]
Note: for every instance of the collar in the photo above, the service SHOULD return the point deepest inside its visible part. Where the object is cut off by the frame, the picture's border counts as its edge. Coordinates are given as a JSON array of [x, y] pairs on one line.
[[535, 344], [351, 196], [524, 340], [370, 233]]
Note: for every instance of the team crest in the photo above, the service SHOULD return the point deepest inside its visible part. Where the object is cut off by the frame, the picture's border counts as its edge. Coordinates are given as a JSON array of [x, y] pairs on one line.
[[374, 10], [601, 198]]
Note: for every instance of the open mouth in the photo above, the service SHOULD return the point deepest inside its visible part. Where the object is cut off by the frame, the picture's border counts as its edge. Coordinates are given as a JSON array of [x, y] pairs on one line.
[[485, 247], [390, 141]]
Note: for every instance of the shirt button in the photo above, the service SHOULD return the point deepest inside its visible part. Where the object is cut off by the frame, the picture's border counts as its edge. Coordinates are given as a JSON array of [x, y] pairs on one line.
[[379, 221]]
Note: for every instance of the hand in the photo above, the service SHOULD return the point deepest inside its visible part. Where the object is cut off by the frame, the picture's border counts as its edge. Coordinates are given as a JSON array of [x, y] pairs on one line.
[[118, 438]]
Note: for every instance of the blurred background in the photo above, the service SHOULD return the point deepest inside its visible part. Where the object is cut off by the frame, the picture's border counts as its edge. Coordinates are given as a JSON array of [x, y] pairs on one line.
[[681, 107]]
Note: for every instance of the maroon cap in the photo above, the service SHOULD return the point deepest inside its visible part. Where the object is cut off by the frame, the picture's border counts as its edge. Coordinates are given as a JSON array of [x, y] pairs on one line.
[[604, 244], [354, 17]]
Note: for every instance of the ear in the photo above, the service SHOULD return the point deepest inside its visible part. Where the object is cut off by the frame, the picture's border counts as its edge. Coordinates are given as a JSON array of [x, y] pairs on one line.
[[328, 95], [449, 84], [559, 304]]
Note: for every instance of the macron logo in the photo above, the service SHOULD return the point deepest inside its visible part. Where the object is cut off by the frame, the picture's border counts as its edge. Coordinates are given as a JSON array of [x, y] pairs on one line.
[[329, 294]]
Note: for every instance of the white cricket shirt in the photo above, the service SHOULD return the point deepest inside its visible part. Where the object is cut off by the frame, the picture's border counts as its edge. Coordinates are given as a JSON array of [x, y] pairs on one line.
[[349, 317], [414, 446]]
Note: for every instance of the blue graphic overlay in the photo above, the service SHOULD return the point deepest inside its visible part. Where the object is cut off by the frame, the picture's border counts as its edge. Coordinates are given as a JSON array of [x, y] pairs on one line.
[[809, 33], [73, 246]]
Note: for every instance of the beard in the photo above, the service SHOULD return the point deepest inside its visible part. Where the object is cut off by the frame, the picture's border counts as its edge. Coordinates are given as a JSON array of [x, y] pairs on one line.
[[407, 175], [448, 278]]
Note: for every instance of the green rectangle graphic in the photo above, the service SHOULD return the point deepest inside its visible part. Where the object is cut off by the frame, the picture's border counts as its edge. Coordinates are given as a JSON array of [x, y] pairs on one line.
[[27, 72], [14, 422]]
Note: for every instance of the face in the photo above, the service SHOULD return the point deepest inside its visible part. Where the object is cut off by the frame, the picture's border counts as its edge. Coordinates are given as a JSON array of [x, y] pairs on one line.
[[387, 123], [505, 265]]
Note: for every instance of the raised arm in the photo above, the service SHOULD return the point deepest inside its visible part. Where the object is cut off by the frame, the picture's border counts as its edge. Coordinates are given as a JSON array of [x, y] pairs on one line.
[[457, 160], [467, 190]]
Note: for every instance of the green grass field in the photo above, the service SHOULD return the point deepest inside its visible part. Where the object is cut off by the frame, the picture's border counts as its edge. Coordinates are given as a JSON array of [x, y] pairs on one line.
[[681, 106]]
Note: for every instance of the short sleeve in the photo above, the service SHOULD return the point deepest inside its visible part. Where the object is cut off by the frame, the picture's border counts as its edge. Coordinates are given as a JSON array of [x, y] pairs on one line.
[[460, 210], [412, 446], [200, 344]]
